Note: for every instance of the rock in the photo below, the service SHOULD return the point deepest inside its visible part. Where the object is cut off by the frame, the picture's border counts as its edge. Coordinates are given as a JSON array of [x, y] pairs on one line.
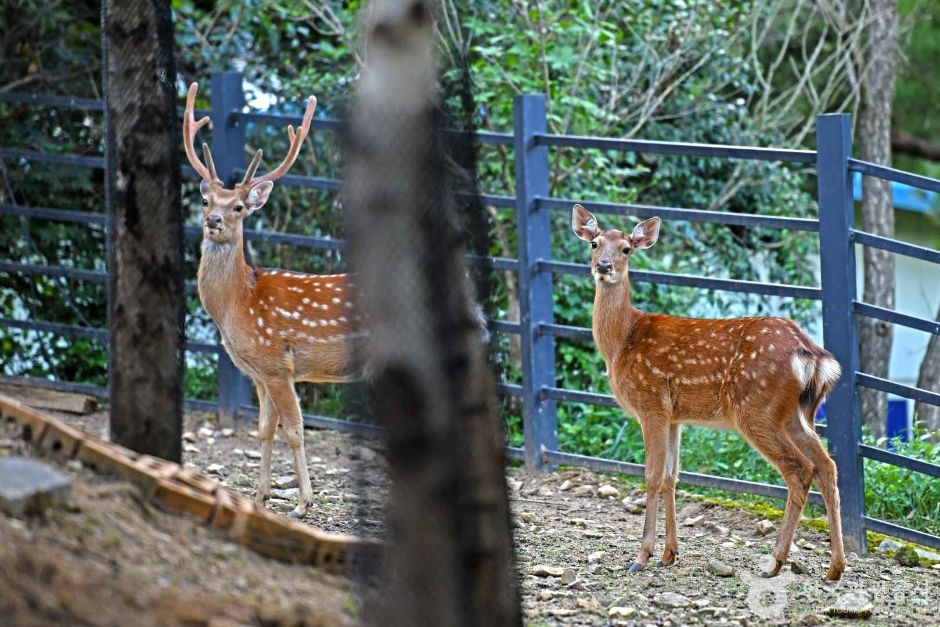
[[720, 530], [189, 436], [798, 568], [888, 545], [253, 433], [226, 551], [621, 612], [596, 557], [671, 600], [74, 464], [809, 546], [238, 451], [606, 491], [907, 556], [547, 571], [811, 620], [592, 533], [514, 484], [568, 576], [546, 595], [561, 612], [285, 481], [693, 521], [190, 448], [584, 489], [228, 432], [528, 517], [363, 453], [215, 468], [29, 487], [206, 432], [720, 569], [936, 566], [851, 605], [927, 555], [578, 522], [290, 493], [765, 527], [565, 485], [252, 454]]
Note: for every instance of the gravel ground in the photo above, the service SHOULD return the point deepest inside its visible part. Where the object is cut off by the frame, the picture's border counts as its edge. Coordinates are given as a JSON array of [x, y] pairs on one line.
[[574, 540]]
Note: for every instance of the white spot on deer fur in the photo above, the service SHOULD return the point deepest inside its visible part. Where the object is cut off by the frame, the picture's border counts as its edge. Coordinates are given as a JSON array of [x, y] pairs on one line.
[[306, 301], [251, 311], [269, 331], [328, 285], [771, 348], [296, 315], [776, 331], [333, 323], [802, 369], [753, 354], [342, 319], [336, 301], [260, 322], [323, 323]]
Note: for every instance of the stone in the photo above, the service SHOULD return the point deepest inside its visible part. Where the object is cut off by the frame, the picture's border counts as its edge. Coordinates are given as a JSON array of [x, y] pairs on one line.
[[671, 600], [907, 556], [363, 453], [514, 484], [809, 546], [606, 491], [252, 454], [578, 522], [592, 533], [811, 620], [565, 485], [228, 432], [547, 571], [29, 487], [720, 569], [765, 527], [889, 545], [621, 612], [568, 576], [798, 568], [851, 605], [693, 521], [238, 451], [584, 489], [285, 481], [927, 555], [206, 432], [215, 468], [561, 612], [290, 493], [190, 448], [546, 595], [596, 557], [528, 517], [189, 436]]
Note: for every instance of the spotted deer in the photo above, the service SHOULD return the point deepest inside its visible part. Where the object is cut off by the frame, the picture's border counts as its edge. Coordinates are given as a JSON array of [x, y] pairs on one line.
[[278, 327], [763, 377]]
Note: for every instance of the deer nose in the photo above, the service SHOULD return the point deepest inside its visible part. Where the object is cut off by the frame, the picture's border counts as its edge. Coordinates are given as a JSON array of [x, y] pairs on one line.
[[214, 221], [604, 267]]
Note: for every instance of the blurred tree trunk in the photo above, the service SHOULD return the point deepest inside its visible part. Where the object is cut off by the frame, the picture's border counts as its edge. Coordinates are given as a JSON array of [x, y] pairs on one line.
[[873, 134], [929, 379], [145, 239], [451, 561]]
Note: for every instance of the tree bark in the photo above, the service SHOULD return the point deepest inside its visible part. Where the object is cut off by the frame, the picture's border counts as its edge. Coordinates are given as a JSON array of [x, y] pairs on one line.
[[929, 379], [145, 238], [452, 560], [873, 133]]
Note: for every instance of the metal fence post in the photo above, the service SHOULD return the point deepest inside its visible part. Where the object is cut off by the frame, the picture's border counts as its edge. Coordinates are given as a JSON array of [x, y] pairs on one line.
[[535, 288], [837, 261], [228, 153]]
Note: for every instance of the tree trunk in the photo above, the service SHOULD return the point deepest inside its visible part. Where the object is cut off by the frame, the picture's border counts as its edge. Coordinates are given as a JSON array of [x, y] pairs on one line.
[[145, 238], [873, 133], [929, 379], [452, 560]]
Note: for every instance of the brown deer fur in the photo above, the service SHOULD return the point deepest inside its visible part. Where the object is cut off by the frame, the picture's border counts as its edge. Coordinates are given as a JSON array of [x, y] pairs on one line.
[[763, 377], [278, 327]]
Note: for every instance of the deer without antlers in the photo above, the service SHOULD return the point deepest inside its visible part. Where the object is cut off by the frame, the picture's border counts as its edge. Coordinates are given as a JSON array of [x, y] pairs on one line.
[[763, 377], [278, 327]]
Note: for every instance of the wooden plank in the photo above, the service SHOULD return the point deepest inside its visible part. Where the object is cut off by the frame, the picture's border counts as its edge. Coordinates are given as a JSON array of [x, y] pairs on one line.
[[52, 400]]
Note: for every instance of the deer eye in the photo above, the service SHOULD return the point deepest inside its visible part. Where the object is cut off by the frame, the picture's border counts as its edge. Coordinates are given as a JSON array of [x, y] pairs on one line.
[[238, 208], [626, 251], [593, 244], [205, 202]]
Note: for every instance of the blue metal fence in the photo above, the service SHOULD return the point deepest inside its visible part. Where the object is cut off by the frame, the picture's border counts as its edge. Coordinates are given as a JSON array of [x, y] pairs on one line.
[[535, 267]]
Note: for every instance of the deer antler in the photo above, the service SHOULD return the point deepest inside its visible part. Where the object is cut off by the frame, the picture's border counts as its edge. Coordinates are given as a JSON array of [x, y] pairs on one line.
[[296, 140], [190, 127]]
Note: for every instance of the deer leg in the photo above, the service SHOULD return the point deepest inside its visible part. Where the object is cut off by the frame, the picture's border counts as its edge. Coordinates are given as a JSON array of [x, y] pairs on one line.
[[826, 479], [285, 401], [267, 427], [669, 494], [654, 441], [797, 472]]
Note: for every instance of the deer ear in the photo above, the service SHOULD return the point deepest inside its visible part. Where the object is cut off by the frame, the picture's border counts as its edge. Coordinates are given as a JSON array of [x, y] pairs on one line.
[[584, 223], [646, 233], [204, 188], [258, 195]]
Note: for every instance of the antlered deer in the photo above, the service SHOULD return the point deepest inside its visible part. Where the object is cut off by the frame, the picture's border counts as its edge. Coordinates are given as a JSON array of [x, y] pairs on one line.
[[278, 327], [763, 377]]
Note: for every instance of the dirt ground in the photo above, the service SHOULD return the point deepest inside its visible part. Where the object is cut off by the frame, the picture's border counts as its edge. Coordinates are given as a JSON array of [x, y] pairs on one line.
[[574, 541]]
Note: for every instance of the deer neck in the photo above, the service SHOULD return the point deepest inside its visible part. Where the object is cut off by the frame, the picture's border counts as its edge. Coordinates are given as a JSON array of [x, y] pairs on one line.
[[614, 318], [224, 279]]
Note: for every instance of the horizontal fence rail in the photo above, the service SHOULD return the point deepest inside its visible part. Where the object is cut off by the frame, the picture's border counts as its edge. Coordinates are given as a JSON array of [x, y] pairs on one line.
[[535, 268]]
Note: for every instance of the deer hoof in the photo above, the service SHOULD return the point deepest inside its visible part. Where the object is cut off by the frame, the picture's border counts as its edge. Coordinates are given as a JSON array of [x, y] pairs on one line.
[[298, 512], [771, 566], [669, 558], [636, 567]]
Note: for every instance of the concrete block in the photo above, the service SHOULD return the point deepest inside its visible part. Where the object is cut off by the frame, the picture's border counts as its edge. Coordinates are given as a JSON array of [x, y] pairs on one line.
[[28, 487]]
